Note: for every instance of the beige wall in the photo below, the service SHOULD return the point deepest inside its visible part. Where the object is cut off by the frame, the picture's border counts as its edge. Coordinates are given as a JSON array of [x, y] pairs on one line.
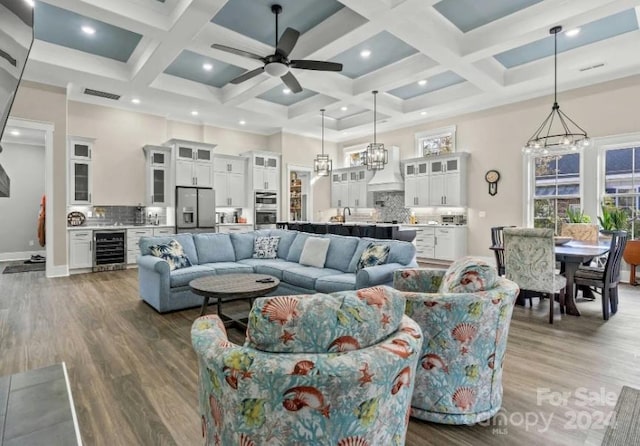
[[49, 104], [495, 137]]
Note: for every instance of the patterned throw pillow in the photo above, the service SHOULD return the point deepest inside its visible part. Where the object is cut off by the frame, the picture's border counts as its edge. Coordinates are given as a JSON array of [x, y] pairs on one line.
[[373, 255], [265, 247], [469, 275], [172, 253]]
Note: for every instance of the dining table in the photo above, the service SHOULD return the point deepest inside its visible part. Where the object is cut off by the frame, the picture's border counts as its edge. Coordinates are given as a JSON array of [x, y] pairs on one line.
[[571, 255]]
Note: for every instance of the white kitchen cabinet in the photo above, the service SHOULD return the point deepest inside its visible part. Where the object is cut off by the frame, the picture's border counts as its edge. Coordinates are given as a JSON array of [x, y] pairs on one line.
[[416, 183], [80, 249], [133, 239], [339, 188], [163, 231], [266, 173], [229, 181], [448, 180], [80, 172], [440, 242], [193, 163], [158, 170], [357, 192]]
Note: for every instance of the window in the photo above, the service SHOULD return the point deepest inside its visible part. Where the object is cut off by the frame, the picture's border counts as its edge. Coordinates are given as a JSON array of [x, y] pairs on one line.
[[622, 183], [354, 157], [557, 186], [434, 142]]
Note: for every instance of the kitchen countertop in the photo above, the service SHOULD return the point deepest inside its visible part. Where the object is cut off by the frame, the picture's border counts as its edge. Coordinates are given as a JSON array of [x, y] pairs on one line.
[[234, 224], [439, 225], [116, 227]]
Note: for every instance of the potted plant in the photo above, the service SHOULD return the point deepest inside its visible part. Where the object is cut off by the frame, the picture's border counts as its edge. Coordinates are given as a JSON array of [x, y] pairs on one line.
[[577, 215], [613, 219], [578, 225]]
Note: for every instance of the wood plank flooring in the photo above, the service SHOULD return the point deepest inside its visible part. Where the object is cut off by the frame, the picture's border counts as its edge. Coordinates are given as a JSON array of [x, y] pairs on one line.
[[134, 379]]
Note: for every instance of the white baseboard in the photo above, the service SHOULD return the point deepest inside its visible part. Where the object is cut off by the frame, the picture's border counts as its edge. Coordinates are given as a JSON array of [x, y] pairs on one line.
[[25, 255], [57, 271]]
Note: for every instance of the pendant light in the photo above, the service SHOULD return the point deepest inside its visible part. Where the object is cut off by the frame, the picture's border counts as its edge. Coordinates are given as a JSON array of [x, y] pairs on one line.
[[566, 134], [376, 156], [322, 165]]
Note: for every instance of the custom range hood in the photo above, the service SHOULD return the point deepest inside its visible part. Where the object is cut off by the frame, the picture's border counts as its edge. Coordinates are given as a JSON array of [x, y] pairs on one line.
[[390, 178]]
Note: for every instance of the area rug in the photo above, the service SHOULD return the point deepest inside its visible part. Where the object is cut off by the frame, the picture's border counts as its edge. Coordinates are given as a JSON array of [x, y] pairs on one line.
[[626, 429], [24, 268]]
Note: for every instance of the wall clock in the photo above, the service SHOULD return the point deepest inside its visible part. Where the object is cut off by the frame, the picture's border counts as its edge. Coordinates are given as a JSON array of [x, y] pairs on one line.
[[492, 177]]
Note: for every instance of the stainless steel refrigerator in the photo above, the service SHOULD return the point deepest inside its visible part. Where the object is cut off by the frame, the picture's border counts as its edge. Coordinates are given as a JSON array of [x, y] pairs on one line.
[[195, 209]]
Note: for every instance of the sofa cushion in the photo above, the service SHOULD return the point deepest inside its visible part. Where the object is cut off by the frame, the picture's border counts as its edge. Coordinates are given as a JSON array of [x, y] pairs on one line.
[[320, 323], [338, 282], [265, 247], [363, 243], [172, 253], [314, 252], [214, 248], [305, 276], [286, 239], [341, 251], [375, 254], [182, 277], [272, 267], [243, 244], [229, 268], [296, 247], [469, 275], [186, 240]]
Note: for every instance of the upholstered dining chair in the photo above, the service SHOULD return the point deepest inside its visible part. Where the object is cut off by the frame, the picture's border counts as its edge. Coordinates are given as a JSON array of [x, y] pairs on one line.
[[497, 242], [604, 281], [530, 262]]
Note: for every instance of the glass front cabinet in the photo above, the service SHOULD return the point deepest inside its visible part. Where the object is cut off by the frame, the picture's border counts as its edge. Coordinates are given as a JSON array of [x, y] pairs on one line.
[[158, 160], [80, 180]]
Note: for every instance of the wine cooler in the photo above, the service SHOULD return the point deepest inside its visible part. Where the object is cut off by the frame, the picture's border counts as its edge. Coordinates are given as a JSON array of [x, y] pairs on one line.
[[110, 251]]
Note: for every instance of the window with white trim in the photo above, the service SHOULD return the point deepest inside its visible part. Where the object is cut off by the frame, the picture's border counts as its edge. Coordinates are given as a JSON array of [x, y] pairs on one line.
[[622, 183], [557, 182]]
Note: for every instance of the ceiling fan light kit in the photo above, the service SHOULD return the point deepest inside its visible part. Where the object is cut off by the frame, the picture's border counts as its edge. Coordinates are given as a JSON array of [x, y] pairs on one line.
[[278, 63], [322, 165], [376, 156], [566, 134]]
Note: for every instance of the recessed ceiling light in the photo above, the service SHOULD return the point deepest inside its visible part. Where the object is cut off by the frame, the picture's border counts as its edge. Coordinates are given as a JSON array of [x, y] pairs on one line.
[[242, 122], [30, 3], [207, 67], [573, 32], [88, 30], [194, 113], [344, 108], [135, 100], [286, 91], [423, 113], [365, 53], [422, 82], [15, 133]]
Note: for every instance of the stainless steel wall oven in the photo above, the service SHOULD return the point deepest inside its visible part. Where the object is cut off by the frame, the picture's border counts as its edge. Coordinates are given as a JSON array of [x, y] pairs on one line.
[[266, 210]]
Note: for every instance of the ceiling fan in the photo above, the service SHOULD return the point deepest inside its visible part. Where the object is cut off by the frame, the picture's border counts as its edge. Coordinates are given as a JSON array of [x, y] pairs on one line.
[[278, 64]]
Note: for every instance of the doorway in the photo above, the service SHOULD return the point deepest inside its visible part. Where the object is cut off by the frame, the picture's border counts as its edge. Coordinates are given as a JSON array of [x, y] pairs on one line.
[[300, 206]]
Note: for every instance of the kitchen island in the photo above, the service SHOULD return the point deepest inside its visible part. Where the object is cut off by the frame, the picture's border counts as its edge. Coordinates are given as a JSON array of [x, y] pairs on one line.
[[386, 231]]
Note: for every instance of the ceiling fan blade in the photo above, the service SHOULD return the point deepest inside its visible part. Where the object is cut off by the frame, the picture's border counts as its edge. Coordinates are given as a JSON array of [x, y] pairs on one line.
[[316, 65], [247, 75], [236, 51], [287, 42], [291, 82]]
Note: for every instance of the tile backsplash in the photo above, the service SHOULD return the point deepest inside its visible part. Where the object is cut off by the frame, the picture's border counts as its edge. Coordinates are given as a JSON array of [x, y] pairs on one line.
[[118, 215], [389, 206]]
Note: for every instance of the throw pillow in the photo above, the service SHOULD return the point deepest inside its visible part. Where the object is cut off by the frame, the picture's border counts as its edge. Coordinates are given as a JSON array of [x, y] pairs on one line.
[[265, 247], [172, 253], [314, 252], [373, 255], [469, 275]]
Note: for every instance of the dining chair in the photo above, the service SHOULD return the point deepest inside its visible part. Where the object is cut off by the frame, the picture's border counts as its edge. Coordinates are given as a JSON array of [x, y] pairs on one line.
[[530, 262], [580, 231], [497, 242], [604, 281]]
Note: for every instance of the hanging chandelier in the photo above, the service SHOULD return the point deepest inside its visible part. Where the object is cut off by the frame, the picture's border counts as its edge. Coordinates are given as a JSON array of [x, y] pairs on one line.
[[565, 134], [376, 156], [322, 165]]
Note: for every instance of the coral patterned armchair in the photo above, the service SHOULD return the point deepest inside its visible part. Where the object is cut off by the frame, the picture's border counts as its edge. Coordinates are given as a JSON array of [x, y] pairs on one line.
[[464, 314], [315, 369]]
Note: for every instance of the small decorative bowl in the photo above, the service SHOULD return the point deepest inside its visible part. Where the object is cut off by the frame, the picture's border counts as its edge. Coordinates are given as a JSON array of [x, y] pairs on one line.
[[561, 240]]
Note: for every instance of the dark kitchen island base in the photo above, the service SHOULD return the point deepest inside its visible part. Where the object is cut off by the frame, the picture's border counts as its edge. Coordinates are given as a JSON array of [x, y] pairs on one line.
[[380, 231]]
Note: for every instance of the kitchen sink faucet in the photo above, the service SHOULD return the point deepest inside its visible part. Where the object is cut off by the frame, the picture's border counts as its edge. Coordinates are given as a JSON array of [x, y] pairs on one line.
[[344, 213]]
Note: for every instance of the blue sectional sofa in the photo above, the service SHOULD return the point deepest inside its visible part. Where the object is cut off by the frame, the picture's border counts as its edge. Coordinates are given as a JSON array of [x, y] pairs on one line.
[[217, 253]]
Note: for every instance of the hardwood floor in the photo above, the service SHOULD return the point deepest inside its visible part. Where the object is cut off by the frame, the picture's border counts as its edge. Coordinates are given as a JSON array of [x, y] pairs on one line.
[[133, 371]]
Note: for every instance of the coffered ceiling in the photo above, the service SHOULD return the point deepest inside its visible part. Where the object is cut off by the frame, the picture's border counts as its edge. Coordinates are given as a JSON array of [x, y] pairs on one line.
[[430, 59]]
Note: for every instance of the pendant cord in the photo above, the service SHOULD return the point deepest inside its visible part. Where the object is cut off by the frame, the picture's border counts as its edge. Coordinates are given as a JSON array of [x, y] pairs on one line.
[[374, 116], [276, 30], [555, 68], [322, 131]]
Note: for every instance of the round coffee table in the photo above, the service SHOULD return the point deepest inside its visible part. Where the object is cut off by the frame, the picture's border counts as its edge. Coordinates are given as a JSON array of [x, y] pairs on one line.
[[230, 287]]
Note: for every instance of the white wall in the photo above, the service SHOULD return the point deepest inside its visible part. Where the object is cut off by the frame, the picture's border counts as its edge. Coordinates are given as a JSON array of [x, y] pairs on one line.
[[19, 212]]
